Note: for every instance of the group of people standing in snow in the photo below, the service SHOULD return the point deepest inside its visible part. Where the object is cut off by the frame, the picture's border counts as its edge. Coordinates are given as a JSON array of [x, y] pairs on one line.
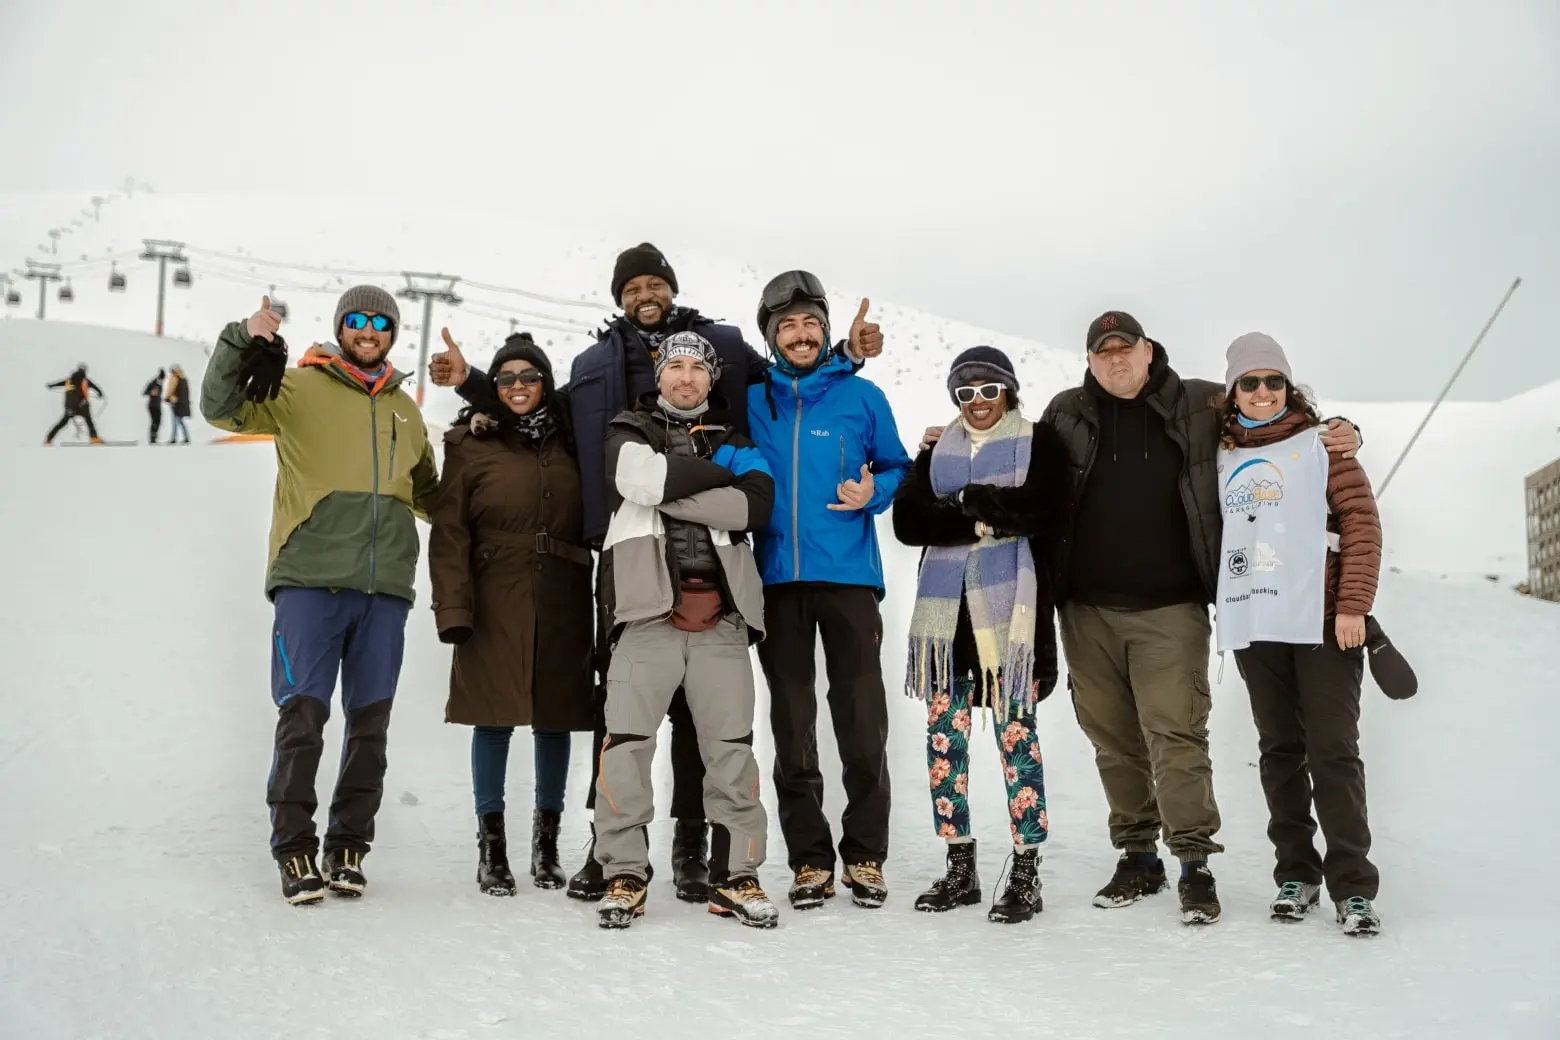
[[172, 389], [603, 555]]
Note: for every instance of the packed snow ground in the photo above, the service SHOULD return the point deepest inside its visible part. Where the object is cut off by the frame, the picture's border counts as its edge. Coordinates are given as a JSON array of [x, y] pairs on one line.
[[135, 737]]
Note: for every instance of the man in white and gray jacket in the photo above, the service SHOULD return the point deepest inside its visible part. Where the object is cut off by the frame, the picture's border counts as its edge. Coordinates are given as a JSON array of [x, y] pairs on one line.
[[686, 602]]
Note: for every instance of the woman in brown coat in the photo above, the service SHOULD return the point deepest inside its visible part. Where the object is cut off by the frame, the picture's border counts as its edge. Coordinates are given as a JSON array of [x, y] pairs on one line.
[[1302, 538], [512, 592]]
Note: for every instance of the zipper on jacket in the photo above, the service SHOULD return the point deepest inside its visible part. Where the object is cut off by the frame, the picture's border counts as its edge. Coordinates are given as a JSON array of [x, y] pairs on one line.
[[373, 537], [393, 425], [796, 481]]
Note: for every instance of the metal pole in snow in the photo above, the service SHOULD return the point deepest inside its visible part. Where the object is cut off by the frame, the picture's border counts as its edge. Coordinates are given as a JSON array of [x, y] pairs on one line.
[[1448, 388], [422, 351], [162, 290]]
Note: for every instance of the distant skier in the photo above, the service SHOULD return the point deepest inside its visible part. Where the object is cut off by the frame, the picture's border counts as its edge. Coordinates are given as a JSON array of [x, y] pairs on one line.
[[154, 402], [178, 397], [77, 403], [353, 468]]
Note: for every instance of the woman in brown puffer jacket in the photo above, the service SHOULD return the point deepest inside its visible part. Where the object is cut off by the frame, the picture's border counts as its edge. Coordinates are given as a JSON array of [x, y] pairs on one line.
[[1297, 579], [512, 591]]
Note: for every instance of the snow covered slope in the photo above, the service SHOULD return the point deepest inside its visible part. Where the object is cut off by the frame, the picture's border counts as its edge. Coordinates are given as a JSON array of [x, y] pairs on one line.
[[135, 731]]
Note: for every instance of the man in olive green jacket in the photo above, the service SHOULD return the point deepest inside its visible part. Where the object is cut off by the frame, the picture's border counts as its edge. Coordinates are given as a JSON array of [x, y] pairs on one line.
[[354, 467]]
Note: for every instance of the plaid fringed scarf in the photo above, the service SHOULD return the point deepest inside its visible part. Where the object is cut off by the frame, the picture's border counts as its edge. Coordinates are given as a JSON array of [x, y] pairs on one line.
[[995, 575]]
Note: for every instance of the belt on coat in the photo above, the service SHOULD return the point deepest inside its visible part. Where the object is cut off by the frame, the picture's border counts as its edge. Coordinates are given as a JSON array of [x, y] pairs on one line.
[[539, 542]]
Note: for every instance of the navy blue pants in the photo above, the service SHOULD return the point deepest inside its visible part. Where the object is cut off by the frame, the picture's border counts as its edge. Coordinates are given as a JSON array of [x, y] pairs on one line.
[[490, 763], [319, 634]]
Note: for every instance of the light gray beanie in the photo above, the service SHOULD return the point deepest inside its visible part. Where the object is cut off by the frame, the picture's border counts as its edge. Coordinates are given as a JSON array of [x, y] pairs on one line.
[[368, 298], [1253, 351]]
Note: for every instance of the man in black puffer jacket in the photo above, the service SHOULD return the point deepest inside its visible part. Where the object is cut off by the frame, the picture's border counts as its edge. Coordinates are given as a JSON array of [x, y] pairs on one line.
[[605, 379]]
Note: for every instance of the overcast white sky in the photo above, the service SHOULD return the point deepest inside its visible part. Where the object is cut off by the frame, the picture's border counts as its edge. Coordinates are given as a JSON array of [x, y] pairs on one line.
[[1361, 179]]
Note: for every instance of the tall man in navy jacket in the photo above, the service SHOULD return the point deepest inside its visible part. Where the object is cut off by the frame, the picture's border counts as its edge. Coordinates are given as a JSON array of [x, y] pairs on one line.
[[606, 378], [837, 459]]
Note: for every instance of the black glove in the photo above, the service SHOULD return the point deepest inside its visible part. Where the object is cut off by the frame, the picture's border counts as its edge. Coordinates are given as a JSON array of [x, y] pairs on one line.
[[1045, 685], [456, 636], [260, 373]]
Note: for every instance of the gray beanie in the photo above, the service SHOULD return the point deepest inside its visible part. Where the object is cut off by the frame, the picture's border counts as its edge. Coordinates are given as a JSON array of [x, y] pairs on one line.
[[368, 298], [1251, 352]]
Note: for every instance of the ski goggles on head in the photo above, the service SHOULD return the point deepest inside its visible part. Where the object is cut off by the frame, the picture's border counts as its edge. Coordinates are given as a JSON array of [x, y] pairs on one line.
[[985, 391], [784, 288], [528, 377], [358, 320], [1249, 384]]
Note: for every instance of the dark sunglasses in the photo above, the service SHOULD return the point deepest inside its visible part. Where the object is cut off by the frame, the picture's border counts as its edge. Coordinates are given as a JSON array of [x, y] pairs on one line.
[[1249, 384], [358, 320], [505, 380], [986, 392]]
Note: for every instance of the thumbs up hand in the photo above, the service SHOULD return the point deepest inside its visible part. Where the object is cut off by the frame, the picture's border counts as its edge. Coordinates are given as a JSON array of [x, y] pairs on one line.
[[448, 368], [263, 323], [854, 494], [866, 337]]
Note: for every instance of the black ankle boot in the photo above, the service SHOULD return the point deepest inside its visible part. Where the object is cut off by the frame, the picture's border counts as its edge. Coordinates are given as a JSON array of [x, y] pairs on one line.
[[1021, 899], [588, 882], [690, 861], [493, 874], [545, 871], [960, 886]]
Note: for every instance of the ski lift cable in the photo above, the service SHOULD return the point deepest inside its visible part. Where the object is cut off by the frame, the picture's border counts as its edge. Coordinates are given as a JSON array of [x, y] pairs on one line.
[[249, 278], [558, 300], [315, 268], [477, 312], [527, 314]]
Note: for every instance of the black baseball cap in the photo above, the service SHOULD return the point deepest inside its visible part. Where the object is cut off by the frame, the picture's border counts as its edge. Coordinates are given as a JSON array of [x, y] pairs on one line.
[[1113, 323]]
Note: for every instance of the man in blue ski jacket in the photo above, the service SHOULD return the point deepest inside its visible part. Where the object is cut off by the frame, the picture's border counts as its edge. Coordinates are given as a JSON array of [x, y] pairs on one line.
[[837, 460]]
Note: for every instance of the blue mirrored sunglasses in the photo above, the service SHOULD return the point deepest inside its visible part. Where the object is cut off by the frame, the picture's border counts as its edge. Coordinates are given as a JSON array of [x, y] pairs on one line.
[[358, 320]]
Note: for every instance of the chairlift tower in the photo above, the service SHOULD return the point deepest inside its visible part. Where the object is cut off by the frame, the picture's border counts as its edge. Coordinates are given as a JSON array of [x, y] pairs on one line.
[[43, 274], [428, 288], [162, 252], [97, 208]]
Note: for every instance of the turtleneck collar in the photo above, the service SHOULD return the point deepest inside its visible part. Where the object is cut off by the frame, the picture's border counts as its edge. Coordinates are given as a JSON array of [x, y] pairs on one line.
[[682, 413], [1257, 424]]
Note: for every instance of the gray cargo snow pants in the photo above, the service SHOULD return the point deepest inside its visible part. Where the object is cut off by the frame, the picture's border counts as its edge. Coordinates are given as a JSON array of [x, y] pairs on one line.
[[650, 661]]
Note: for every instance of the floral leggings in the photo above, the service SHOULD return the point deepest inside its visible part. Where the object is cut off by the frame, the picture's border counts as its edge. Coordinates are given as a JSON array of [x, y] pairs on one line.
[[948, 761]]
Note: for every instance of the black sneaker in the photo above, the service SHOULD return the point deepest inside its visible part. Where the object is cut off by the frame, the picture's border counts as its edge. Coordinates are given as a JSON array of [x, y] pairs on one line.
[[1134, 879], [1021, 900], [743, 899], [690, 861], [301, 881], [1199, 896], [624, 900], [344, 868], [1357, 916], [959, 886], [867, 887], [810, 887], [589, 883], [1295, 899]]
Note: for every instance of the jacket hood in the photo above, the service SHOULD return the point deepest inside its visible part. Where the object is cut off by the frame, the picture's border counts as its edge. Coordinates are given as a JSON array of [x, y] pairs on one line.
[[812, 384], [1280, 429], [329, 358]]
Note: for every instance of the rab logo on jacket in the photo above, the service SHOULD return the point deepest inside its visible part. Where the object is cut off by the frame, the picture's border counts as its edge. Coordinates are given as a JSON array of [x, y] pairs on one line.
[[1263, 485]]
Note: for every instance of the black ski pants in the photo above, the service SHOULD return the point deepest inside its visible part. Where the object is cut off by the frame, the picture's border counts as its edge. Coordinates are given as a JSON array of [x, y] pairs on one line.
[[81, 411], [852, 629], [155, 411], [1306, 704]]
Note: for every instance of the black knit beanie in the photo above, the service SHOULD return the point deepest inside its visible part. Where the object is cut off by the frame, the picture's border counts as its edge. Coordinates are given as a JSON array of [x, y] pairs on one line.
[[642, 259], [986, 363], [521, 347]]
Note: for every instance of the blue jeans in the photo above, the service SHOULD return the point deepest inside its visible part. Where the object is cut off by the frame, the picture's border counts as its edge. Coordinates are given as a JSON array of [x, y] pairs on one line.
[[490, 763]]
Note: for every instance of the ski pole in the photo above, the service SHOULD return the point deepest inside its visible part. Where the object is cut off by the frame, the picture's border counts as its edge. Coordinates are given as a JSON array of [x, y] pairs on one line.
[[1448, 388]]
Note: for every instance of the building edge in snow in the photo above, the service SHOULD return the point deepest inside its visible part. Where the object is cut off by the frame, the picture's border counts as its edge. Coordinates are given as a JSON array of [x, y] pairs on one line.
[[1543, 532]]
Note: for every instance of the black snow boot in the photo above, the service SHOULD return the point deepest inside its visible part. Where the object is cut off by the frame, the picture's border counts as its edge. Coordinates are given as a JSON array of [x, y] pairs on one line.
[[588, 882], [960, 886], [344, 871], [545, 869], [493, 874], [690, 861], [301, 881], [1021, 900]]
